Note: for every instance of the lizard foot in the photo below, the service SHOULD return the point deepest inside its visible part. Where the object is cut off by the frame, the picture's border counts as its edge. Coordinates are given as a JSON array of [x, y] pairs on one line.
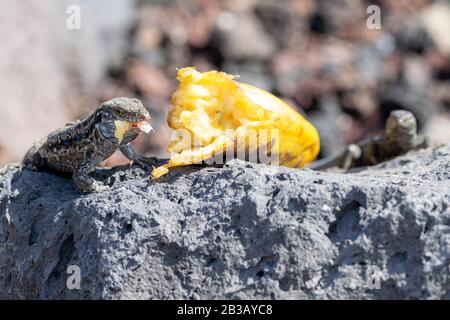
[[145, 162], [97, 187], [90, 185]]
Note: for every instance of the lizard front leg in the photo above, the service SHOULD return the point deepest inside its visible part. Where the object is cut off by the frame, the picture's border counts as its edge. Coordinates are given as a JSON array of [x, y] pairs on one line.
[[82, 178], [345, 159], [129, 152]]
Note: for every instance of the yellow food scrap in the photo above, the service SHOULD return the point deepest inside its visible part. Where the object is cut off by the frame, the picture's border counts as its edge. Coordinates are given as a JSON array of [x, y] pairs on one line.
[[219, 114], [121, 128]]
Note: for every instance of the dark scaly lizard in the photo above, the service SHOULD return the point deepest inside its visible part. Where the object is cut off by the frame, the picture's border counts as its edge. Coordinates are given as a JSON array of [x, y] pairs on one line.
[[82, 145], [399, 137]]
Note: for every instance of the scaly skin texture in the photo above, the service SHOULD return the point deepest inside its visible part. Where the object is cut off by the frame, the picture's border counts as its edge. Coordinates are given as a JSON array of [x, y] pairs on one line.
[[400, 136], [82, 145]]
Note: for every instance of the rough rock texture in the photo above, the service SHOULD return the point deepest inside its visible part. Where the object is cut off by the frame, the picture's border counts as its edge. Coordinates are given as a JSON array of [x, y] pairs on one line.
[[238, 231]]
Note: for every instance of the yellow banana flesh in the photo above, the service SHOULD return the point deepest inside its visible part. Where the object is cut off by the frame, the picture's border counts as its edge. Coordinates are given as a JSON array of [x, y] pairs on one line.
[[213, 113]]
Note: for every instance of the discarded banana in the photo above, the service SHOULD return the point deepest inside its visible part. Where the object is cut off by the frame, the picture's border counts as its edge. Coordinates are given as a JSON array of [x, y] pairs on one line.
[[214, 115]]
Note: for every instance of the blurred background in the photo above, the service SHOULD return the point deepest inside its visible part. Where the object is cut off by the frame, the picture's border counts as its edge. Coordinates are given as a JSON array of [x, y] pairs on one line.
[[319, 56]]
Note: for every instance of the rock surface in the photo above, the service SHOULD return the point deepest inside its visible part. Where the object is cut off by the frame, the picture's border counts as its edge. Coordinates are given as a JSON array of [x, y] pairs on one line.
[[238, 231]]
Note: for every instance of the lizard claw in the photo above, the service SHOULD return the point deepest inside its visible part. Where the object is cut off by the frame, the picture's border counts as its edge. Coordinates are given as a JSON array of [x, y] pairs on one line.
[[99, 187], [145, 162], [92, 187]]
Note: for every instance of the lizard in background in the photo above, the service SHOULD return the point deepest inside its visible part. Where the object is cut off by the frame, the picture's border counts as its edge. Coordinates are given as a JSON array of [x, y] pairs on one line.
[[399, 137]]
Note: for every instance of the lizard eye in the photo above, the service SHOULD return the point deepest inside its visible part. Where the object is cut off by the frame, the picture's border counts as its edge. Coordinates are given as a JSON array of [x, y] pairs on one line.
[[121, 113]]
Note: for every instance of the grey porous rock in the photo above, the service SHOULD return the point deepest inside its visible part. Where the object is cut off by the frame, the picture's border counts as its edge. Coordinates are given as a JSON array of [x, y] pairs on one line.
[[238, 231]]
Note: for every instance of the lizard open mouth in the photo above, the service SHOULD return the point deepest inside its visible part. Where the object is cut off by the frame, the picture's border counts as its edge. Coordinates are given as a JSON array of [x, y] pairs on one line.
[[123, 126], [142, 126]]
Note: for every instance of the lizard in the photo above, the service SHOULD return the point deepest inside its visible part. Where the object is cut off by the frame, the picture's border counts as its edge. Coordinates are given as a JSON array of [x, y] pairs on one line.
[[400, 136], [82, 145]]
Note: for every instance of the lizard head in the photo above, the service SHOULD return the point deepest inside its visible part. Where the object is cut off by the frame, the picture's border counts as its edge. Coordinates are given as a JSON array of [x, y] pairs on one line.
[[120, 120], [401, 128]]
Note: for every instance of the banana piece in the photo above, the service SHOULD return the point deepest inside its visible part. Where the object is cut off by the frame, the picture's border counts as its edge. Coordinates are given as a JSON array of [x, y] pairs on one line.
[[213, 114]]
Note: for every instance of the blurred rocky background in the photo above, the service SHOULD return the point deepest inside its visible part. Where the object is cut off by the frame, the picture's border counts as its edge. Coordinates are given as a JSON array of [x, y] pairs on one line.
[[320, 56]]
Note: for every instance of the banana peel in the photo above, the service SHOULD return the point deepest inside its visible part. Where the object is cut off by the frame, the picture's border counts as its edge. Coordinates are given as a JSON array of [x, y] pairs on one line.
[[215, 115]]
